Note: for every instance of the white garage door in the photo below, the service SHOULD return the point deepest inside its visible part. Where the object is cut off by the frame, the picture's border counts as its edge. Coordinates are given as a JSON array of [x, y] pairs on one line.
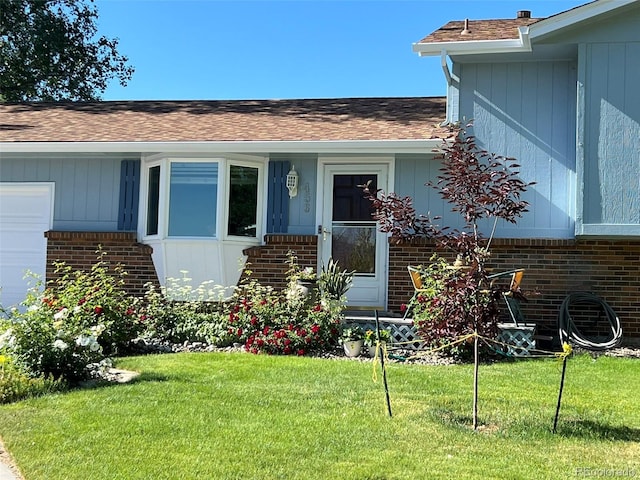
[[26, 212]]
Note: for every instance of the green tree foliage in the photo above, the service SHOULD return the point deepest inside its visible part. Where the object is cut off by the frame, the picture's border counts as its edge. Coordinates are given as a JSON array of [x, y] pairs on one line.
[[50, 51]]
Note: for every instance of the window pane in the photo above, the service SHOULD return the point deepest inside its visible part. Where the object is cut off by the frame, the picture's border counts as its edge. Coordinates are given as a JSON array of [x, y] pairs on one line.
[[153, 200], [349, 202], [243, 201], [354, 248], [193, 199]]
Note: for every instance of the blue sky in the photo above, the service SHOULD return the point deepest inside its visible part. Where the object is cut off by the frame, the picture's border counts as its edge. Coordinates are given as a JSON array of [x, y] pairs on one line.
[[263, 49]]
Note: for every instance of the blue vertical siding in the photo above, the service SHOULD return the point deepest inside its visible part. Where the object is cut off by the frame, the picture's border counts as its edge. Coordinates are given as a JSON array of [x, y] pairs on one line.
[[301, 217], [526, 110], [86, 188], [611, 186], [412, 172]]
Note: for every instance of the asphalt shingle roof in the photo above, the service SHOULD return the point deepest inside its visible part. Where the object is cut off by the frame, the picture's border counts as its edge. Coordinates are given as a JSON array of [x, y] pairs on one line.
[[228, 120], [503, 29], [498, 29]]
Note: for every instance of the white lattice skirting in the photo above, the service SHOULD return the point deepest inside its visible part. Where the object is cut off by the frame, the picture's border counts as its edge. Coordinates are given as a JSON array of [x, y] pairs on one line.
[[517, 340], [402, 331]]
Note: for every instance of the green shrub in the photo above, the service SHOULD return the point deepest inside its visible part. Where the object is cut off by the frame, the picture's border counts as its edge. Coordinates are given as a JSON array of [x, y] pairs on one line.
[[179, 313], [97, 297], [259, 317], [16, 384]]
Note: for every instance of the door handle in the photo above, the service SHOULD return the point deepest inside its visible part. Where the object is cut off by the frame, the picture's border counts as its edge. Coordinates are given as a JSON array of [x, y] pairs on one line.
[[325, 232]]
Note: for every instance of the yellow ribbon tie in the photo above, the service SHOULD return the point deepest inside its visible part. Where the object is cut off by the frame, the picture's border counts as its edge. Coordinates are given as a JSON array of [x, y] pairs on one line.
[[566, 351], [376, 358]]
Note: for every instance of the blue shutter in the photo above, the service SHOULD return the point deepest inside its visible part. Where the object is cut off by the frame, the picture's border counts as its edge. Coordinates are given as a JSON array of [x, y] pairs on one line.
[[129, 189], [278, 197]]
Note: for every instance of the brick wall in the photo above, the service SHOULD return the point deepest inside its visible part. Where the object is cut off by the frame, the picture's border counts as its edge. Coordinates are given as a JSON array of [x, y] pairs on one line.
[[78, 250], [609, 269], [268, 262]]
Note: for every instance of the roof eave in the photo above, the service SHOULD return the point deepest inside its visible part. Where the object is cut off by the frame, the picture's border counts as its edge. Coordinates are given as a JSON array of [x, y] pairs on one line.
[[258, 147], [476, 47], [575, 15]]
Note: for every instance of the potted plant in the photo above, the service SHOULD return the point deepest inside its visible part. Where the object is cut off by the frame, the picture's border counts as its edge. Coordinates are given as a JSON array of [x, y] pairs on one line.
[[335, 282], [370, 340], [352, 340], [302, 281], [307, 279]]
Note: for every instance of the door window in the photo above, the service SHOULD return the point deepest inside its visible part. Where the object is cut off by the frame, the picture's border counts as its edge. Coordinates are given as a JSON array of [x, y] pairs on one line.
[[353, 239]]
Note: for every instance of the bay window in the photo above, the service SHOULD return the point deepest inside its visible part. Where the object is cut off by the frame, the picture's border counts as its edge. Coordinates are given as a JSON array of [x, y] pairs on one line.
[[200, 198]]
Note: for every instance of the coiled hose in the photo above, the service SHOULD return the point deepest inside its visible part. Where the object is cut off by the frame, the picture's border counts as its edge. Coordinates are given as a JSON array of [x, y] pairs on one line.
[[571, 334]]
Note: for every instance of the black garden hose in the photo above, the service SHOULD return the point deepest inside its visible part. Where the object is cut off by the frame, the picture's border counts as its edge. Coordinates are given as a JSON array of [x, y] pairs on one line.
[[571, 334]]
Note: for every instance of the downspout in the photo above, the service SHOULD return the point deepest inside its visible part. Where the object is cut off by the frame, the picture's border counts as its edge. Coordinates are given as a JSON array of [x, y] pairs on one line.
[[445, 66], [447, 76]]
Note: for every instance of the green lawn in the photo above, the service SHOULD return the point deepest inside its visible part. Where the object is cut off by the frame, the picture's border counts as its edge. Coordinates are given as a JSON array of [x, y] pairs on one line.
[[242, 416]]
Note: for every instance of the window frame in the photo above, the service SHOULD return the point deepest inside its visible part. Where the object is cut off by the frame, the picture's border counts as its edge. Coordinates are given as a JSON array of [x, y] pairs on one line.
[[144, 199], [260, 200], [225, 163], [167, 201]]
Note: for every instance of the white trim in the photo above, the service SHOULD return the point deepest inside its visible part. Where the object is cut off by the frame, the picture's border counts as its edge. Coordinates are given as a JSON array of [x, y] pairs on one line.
[[352, 165], [575, 15], [215, 148], [349, 162], [608, 230], [471, 47], [261, 203]]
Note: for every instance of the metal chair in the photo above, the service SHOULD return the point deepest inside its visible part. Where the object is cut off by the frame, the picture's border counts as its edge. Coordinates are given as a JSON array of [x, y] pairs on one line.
[[418, 287], [518, 337], [510, 296]]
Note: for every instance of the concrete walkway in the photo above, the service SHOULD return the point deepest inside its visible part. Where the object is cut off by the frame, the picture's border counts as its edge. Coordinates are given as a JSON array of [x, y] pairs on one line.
[[6, 473]]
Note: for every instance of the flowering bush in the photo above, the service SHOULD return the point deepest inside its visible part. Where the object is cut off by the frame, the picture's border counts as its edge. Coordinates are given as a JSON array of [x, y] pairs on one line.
[[262, 319], [46, 340], [75, 322], [178, 312], [285, 322], [96, 298]]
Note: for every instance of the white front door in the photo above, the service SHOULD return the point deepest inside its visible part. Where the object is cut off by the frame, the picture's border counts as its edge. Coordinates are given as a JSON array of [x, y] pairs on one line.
[[26, 212], [349, 235]]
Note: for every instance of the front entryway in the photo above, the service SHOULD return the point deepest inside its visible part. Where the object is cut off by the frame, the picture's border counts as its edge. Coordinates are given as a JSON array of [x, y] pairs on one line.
[[349, 235], [26, 213]]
